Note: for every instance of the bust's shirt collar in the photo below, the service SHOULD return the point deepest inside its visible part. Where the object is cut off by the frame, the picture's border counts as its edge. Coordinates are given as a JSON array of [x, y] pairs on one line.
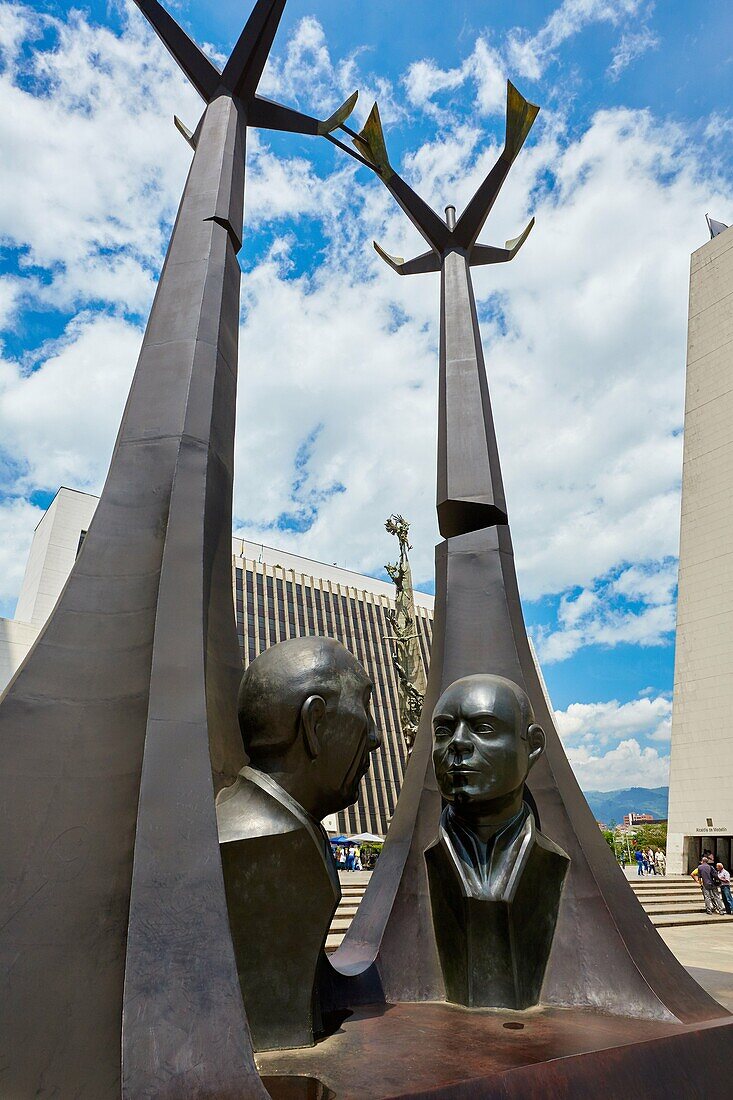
[[486, 866]]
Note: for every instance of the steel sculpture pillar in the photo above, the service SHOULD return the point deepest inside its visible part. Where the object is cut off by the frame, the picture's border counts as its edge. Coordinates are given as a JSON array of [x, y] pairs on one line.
[[606, 955], [114, 932]]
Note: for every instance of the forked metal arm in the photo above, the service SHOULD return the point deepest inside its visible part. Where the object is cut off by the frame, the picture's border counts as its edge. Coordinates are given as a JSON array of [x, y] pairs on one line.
[[443, 238], [242, 71]]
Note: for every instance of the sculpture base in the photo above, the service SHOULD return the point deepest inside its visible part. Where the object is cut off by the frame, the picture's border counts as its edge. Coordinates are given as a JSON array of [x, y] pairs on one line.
[[439, 1050]]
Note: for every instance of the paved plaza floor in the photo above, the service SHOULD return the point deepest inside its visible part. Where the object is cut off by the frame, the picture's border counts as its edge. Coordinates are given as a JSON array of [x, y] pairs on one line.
[[706, 951]]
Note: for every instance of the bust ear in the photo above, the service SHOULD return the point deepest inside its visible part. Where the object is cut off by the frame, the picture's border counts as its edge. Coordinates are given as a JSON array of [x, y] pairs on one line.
[[536, 742], [311, 715]]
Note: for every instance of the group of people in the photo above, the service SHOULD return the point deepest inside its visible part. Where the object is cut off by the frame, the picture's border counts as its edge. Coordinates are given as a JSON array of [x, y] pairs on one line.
[[348, 857], [650, 861], [715, 883]]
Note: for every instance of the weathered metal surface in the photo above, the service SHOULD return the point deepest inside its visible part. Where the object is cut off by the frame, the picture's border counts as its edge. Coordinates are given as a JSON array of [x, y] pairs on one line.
[[305, 714], [183, 1022], [606, 954], [114, 931], [434, 1050], [495, 880]]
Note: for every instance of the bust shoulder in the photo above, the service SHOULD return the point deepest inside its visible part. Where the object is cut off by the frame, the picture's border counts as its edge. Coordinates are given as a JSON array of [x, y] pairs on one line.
[[247, 810]]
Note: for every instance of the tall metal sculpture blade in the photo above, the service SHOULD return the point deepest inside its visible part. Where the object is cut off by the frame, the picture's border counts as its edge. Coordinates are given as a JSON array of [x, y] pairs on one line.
[[113, 930], [606, 955]]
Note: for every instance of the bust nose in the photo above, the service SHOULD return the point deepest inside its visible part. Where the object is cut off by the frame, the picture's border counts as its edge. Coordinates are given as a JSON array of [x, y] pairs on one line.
[[374, 737], [460, 743]]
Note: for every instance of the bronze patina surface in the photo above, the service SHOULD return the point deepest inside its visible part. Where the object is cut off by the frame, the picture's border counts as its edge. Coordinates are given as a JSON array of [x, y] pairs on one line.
[[117, 973], [305, 715], [442, 1051], [605, 953], [495, 880]]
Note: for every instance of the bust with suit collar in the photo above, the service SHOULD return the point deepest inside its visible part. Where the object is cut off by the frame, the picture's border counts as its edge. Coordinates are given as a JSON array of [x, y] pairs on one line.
[[305, 714], [495, 880]]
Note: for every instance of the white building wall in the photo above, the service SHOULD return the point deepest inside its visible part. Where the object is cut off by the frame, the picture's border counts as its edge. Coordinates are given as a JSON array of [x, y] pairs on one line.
[[16, 640], [53, 553], [255, 551], [701, 774], [54, 550]]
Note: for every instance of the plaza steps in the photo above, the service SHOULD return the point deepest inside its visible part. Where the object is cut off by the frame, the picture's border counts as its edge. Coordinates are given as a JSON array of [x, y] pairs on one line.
[[672, 901], [353, 886]]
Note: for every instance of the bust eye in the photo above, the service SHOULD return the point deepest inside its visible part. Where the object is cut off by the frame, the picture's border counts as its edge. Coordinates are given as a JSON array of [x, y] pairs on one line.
[[482, 727], [442, 731]]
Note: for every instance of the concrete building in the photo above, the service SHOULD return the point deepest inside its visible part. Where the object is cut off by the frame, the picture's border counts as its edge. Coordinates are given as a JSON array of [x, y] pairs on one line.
[[637, 819], [701, 775], [277, 595], [56, 542]]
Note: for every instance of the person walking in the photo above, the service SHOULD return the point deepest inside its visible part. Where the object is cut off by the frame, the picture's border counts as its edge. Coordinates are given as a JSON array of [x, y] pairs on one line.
[[724, 879], [660, 862], [650, 861], [350, 858], [707, 876], [639, 856]]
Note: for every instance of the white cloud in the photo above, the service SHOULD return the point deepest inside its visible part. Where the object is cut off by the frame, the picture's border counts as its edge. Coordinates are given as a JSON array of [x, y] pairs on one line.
[[484, 68], [637, 608], [305, 75], [606, 743], [651, 584], [628, 765], [81, 201], [530, 54], [58, 423], [18, 519], [584, 333], [630, 47], [101, 164], [593, 725], [11, 291], [367, 403], [718, 126]]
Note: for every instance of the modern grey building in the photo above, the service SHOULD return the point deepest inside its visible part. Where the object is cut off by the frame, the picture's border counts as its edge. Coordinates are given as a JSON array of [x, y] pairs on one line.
[[281, 596], [701, 774], [277, 595]]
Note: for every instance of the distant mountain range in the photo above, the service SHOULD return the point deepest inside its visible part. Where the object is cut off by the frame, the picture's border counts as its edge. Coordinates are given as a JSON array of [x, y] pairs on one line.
[[611, 806]]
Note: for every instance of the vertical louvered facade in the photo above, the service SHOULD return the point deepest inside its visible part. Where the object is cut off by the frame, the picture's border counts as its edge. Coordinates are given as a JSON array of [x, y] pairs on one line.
[[277, 595], [280, 596]]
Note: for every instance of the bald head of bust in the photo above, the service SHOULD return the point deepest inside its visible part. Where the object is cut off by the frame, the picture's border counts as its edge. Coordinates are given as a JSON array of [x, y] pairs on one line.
[[485, 741], [305, 714]]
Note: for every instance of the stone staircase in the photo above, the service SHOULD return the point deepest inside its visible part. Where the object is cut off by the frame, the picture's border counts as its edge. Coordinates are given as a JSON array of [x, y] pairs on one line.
[[353, 885], [671, 901]]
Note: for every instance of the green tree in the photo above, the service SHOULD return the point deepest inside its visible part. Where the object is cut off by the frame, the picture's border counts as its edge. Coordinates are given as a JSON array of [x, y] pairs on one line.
[[651, 836]]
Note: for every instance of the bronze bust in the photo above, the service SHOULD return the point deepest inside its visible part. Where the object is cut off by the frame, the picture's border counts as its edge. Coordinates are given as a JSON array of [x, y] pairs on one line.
[[306, 721], [495, 880]]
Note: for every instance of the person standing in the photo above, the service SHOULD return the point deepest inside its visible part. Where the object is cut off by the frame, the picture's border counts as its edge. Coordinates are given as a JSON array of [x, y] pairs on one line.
[[639, 856], [724, 879], [660, 862], [707, 876], [650, 861]]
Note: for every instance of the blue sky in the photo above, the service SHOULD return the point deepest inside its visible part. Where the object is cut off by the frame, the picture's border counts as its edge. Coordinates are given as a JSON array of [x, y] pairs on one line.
[[337, 415]]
